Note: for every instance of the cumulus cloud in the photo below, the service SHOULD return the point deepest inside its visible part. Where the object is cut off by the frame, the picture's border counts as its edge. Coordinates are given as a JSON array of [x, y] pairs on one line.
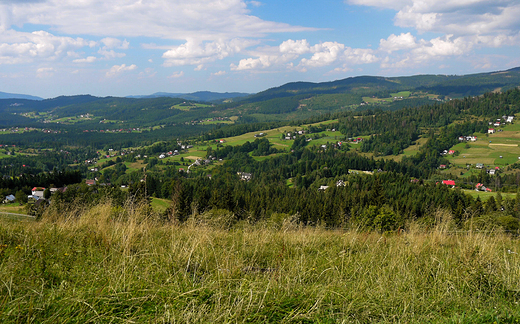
[[459, 18], [110, 54], [111, 42], [423, 51], [89, 59], [195, 52], [396, 43], [295, 47], [117, 69], [18, 47], [176, 75], [323, 54], [219, 73]]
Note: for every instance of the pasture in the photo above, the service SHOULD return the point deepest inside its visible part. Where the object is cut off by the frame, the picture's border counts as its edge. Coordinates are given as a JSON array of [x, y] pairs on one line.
[[499, 149]]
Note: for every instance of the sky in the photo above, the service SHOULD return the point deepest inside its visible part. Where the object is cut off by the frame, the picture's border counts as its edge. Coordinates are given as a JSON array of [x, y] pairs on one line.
[[137, 47]]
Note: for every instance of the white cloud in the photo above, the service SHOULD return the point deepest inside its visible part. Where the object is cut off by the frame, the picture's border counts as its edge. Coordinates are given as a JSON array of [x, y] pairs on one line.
[[148, 73], [424, 51], [89, 59], [117, 69], [323, 54], [110, 54], [219, 73], [46, 72], [194, 52], [176, 75], [179, 19], [111, 42], [460, 18], [19, 47], [256, 3], [295, 47], [396, 43]]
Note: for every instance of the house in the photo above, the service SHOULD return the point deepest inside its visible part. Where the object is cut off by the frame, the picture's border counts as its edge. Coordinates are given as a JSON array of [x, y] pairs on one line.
[[442, 166], [491, 172], [90, 182], [479, 165], [510, 119], [451, 152], [340, 183], [449, 182], [38, 191], [323, 188], [9, 199], [491, 131], [245, 176], [496, 124]]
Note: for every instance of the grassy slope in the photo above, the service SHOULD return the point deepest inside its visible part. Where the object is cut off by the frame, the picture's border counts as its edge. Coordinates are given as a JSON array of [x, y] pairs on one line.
[[96, 268]]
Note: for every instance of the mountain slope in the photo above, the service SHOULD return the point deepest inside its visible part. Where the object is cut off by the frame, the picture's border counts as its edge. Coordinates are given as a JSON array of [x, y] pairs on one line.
[[5, 95]]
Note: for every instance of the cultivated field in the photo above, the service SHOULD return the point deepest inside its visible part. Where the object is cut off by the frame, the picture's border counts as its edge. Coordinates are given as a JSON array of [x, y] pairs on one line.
[[499, 149]]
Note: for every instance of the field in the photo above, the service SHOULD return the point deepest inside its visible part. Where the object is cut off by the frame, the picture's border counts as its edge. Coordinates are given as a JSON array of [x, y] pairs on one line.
[[98, 267], [189, 105], [499, 149]]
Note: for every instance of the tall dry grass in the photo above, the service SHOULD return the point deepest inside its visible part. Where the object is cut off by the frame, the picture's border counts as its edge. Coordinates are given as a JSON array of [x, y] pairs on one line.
[[106, 264]]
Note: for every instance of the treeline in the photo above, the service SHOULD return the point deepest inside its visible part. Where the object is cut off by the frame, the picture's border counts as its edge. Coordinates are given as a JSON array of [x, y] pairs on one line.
[[361, 200], [25, 182], [259, 147]]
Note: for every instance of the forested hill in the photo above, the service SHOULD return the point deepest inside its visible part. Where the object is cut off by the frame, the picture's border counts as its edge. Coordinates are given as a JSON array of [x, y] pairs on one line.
[[289, 102], [447, 85]]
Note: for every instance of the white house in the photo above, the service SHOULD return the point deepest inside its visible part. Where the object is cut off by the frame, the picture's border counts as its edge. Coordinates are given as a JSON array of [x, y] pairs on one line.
[[38, 192], [491, 131]]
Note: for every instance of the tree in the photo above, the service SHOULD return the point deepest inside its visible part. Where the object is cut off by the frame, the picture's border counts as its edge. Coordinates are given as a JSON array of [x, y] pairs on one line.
[[21, 197], [47, 193]]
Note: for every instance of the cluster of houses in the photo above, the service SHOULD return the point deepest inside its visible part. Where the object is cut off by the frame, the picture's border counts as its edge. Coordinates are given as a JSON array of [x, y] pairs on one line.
[[290, 136], [355, 140], [245, 176], [480, 187], [499, 122], [446, 152], [467, 138], [170, 153], [36, 196]]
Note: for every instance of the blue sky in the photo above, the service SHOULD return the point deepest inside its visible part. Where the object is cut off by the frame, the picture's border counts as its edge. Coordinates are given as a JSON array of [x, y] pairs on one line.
[[131, 47]]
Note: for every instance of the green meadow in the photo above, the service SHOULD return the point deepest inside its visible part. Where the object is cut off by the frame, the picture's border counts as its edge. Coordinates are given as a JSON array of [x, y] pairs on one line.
[[109, 265]]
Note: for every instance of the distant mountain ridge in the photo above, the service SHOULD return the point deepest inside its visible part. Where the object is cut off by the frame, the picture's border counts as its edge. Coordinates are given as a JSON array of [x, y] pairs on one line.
[[6, 95], [291, 101], [197, 96], [449, 85]]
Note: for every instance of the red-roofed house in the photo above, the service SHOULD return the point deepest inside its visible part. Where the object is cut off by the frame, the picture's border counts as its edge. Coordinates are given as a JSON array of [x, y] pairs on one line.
[[448, 182], [38, 191]]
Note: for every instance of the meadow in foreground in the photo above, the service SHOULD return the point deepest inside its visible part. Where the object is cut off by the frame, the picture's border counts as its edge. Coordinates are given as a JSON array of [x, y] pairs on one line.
[[106, 265]]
